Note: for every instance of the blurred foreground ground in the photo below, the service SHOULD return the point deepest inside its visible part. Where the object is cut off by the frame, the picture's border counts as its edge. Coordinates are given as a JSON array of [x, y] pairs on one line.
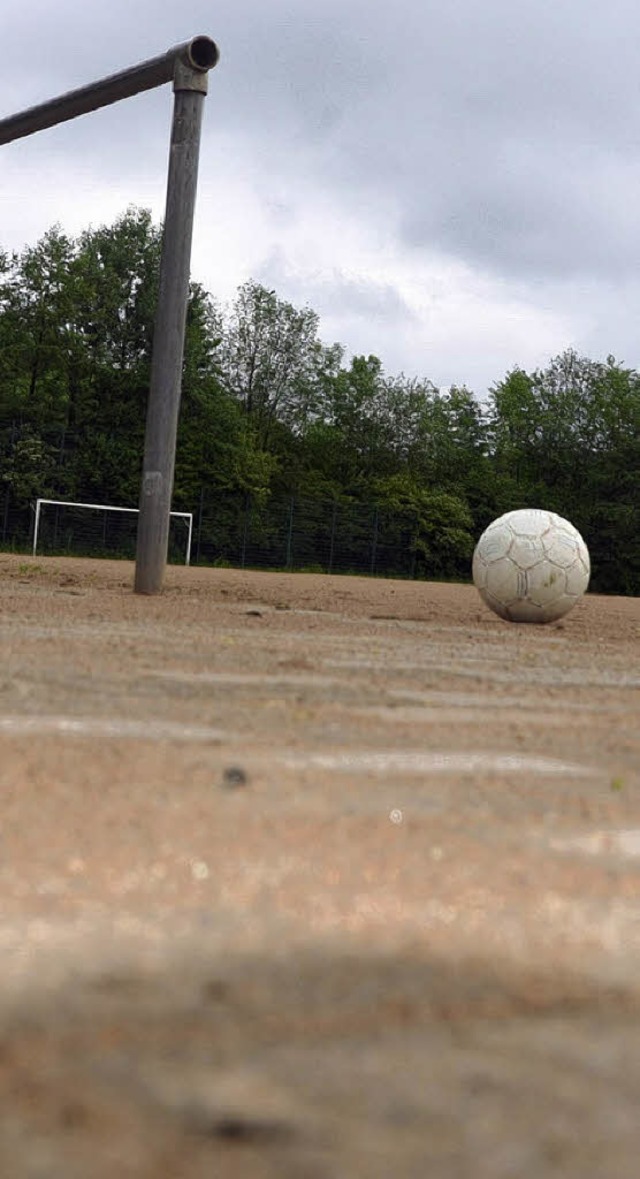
[[311, 877]]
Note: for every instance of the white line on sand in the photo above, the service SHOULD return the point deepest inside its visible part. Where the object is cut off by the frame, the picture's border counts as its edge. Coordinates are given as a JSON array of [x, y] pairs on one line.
[[418, 762], [272, 679], [623, 842], [341, 761], [95, 726]]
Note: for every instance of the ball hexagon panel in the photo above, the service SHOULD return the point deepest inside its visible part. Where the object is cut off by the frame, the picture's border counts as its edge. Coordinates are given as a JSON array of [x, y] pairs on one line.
[[505, 582], [498, 541], [547, 584], [577, 576], [527, 551]]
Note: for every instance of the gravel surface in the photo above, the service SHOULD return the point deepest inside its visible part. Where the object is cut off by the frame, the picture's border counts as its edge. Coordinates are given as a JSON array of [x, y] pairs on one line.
[[314, 877]]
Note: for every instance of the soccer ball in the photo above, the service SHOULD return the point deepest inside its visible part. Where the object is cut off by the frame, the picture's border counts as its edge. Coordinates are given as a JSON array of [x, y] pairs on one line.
[[531, 566]]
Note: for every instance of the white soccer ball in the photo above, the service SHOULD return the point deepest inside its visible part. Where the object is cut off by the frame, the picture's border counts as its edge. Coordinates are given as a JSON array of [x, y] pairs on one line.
[[531, 566]]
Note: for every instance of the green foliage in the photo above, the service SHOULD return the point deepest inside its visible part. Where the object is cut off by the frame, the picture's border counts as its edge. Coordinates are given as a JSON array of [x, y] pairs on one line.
[[568, 438], [26, 465], [36, 339], [272, 361], [441, 525], [403, 475]]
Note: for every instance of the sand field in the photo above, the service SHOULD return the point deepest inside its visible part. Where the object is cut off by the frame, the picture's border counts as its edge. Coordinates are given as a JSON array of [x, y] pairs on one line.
[[314, 877]]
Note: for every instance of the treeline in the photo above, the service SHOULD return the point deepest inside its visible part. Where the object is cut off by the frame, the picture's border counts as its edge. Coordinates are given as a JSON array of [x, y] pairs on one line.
[[270, 413]]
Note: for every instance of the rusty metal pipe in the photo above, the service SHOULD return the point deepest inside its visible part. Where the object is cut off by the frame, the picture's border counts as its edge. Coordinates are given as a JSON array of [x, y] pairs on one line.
[[194, 57]]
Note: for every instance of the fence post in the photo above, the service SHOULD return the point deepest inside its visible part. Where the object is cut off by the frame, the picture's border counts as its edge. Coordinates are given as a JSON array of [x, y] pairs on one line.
[[199, 533], [374, 541], [7, 494], [333, 534], [290, 534], [5, 518], [245, 529]]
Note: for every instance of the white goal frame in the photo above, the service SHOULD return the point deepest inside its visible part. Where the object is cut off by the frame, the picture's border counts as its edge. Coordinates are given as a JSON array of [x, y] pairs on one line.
[[65, 503]]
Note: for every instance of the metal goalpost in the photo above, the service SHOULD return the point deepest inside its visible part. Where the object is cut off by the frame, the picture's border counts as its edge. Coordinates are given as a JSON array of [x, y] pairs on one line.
[[65, 503], [187, 65]]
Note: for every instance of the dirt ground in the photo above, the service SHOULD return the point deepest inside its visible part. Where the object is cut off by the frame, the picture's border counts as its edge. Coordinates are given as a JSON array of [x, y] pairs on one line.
[[314, 878]]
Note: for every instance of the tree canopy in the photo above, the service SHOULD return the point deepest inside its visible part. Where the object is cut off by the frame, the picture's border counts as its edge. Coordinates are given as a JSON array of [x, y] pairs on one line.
[[270, 413]]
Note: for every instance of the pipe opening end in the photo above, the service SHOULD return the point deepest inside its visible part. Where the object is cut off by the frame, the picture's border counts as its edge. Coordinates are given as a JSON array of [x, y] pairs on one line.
[[203, 53]]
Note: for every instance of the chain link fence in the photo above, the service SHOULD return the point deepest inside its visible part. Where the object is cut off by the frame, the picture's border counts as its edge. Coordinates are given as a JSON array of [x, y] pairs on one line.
[[305, 534], [239, 531]]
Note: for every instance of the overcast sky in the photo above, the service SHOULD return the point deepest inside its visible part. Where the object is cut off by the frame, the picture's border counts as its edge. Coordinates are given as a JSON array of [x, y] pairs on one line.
[[453, 186]]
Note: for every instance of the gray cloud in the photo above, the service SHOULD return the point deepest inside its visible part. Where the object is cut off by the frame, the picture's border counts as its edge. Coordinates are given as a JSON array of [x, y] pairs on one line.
[[338, 294], [507, 134], [502, 136]]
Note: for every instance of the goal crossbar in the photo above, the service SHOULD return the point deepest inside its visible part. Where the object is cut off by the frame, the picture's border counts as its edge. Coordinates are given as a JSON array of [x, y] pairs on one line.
[[65, 503]]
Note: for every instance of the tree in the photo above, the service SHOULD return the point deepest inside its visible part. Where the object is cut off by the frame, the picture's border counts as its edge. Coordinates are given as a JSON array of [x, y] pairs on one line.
[[272, 361], [441, 525], [36, 333], [367, 425], [26, 466], [216, 445], [568, 438]]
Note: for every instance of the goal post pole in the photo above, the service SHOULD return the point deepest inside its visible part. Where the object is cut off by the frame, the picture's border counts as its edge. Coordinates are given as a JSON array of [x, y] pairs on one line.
[[188, 65], [36, 525], [189, 538], [163, 410]]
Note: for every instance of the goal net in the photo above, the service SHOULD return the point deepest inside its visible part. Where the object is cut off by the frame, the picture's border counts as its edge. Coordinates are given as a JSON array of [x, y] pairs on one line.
[[62, 528]]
